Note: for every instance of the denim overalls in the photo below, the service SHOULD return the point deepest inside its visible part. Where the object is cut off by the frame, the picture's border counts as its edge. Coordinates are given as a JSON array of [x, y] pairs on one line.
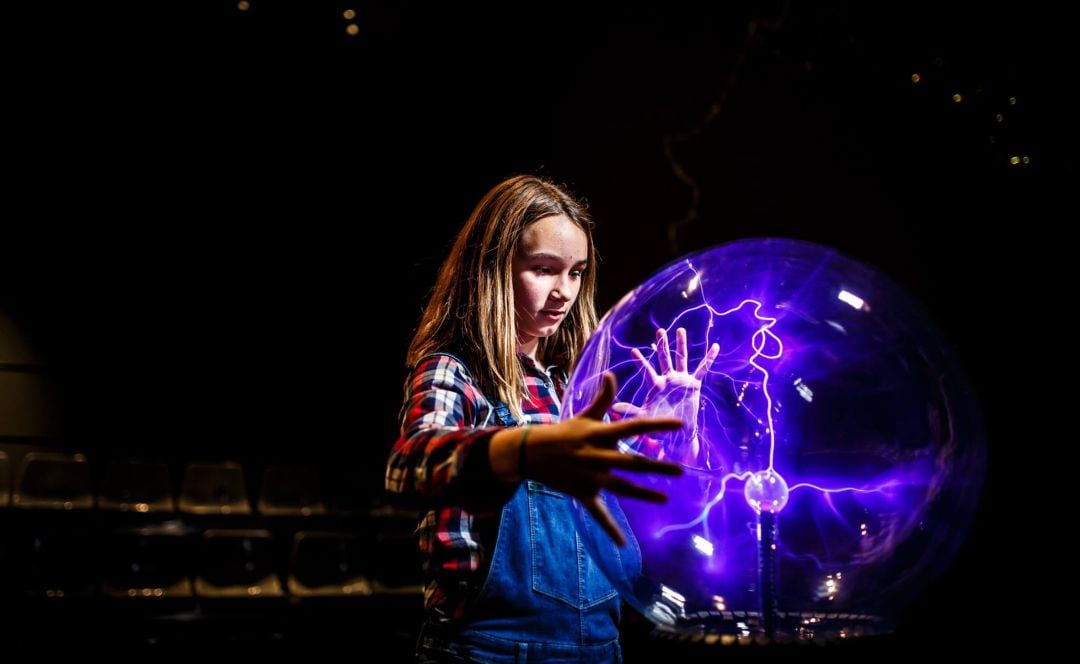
[[544, 599]]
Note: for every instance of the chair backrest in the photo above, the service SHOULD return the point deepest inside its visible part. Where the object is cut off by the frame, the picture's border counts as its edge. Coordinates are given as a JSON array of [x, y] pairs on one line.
[[137, 486], [214, 488], [5, 479], [148, 563], [290, 491], [48, 480], [55, 564], [238, 563], [329, 564]]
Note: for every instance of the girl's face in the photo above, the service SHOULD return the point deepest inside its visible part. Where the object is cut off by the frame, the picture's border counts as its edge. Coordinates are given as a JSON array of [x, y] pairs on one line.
[[548, 264]]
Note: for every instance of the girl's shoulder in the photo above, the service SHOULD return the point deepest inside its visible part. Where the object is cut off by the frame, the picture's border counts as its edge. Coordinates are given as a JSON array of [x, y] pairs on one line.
[[443, 362]]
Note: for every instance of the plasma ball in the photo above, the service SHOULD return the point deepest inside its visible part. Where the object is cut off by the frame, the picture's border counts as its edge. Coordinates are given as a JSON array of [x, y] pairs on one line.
[[766, 491], [829, 433]]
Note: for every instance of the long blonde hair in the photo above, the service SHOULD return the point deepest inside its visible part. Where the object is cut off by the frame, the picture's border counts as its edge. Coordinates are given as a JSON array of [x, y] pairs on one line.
[[471, 310]]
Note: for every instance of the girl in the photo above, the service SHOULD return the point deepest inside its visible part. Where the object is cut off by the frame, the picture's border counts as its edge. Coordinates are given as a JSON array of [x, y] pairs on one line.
[[483, 451]]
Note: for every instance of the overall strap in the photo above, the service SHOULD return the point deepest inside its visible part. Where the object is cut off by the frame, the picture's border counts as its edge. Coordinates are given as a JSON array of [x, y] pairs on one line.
[[502, 413]]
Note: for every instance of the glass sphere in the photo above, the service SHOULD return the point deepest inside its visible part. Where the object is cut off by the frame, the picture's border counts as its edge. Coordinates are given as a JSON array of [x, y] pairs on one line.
[[832, 448]]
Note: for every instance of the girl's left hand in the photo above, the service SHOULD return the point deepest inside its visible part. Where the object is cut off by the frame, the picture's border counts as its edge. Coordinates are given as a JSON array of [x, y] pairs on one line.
[[673, 392]]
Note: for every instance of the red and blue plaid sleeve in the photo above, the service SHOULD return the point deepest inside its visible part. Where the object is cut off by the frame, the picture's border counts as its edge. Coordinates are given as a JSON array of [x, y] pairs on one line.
[[442, 451]]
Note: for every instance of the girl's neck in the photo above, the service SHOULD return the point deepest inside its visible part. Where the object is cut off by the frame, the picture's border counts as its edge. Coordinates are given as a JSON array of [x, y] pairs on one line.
[[530, 349]]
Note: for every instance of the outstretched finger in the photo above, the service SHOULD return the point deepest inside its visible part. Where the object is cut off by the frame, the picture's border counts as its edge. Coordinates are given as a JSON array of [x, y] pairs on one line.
[[600, 512], [646, 366], [608, 459], [680, 349], [639, 425], [627, 408], [706, 362], [603, 398], [663, 352], [624, 487]]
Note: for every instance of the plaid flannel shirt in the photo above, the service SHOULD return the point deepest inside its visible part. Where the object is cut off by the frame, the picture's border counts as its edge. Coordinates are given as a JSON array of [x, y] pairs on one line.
[[440, 462]]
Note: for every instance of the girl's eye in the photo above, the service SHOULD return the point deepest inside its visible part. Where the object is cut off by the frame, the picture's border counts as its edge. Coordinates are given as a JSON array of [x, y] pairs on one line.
[[543, 269], [577, 273]]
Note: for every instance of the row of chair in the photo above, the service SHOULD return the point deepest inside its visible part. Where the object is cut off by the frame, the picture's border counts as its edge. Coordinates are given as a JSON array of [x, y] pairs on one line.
[[54, 481], [174, 560]]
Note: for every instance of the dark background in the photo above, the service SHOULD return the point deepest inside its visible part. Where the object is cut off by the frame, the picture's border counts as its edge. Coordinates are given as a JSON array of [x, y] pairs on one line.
[[222, 224]]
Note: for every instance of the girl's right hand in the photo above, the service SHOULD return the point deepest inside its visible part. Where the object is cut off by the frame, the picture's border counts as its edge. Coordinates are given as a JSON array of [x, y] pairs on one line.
[[576, 457]]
